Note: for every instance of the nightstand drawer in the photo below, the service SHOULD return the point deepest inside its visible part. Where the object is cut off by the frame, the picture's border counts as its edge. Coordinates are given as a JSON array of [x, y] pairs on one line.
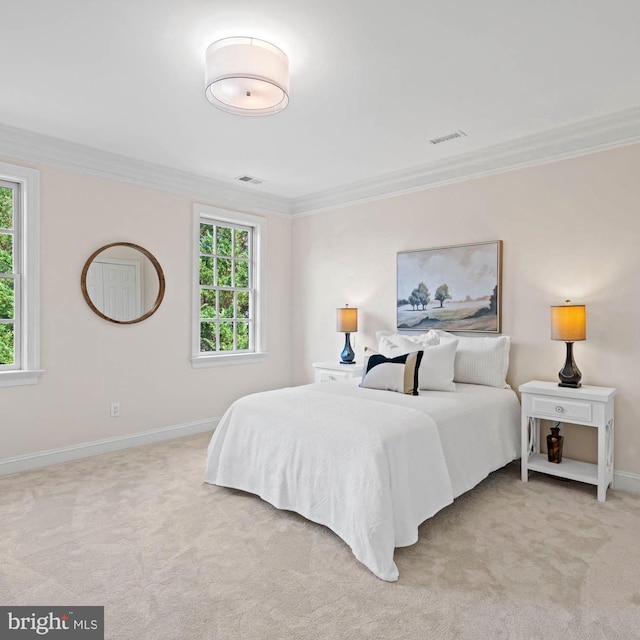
[[562, 409], [332, 376], [332, 371]]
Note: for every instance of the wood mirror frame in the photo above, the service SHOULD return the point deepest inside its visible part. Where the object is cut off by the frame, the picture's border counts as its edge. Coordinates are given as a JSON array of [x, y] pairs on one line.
[[147, 254]]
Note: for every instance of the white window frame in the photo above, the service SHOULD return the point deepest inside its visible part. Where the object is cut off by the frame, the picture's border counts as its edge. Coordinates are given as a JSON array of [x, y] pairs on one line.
[[210, 215], [27, 269]]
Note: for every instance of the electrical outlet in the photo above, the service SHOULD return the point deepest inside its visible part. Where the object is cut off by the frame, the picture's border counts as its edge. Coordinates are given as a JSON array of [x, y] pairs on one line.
[[115, 409]]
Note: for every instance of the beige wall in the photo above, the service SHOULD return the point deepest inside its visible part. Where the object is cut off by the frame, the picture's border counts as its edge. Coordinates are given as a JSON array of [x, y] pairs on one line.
[[146, 367], [571, 229]]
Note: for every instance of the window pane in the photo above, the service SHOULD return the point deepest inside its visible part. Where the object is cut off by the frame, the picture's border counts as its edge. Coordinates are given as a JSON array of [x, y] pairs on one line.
[[6, 344], [243, 335], [7, 299], [206, 271], [226, 305], [223, 241], [6, 253], [243, 304], [206, 238], [226, 336], [207, 336], [207, 303], [242, 273], [6, 208], [224, 272], [226, 297], [242, 243]]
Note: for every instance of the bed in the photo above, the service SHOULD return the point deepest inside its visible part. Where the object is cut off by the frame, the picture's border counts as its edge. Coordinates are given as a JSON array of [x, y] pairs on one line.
[[370, 464]]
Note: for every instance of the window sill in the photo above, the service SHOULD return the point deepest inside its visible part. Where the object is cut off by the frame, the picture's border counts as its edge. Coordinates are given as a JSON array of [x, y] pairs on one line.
[[199, 362], [19, 378]]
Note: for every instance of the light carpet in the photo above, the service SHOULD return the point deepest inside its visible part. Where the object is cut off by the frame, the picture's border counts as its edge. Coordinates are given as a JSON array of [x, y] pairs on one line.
[[172, 558]]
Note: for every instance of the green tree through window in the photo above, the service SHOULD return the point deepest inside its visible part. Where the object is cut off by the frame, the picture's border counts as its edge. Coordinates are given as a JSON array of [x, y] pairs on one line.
[[19, 276], [225, 287], [7, 291]]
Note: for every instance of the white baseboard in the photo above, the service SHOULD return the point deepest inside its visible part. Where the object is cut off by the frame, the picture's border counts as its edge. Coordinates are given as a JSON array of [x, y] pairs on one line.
[[626, 481], [65, 454]]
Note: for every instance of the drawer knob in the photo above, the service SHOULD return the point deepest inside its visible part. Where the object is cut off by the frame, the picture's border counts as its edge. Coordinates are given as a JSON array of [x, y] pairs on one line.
[[559, 409], [332, 377]]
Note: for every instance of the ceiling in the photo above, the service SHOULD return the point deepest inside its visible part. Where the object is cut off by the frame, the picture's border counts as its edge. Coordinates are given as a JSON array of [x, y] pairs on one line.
[[371, 82]]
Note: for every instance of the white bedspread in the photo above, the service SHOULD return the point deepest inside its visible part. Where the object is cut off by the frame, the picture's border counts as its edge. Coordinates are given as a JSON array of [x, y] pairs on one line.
[[479, 426], [371, 465], [372, 476]]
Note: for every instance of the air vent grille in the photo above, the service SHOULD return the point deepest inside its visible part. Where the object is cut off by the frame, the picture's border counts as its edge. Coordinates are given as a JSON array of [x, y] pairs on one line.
[[451, 136], [250, 179]]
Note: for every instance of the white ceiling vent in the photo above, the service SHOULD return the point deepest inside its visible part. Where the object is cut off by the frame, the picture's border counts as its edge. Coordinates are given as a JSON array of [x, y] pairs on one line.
[[250, 179], [451, 136]]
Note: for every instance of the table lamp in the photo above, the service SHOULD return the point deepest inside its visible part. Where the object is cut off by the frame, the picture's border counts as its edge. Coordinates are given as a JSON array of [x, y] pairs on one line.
[[569, 324], [347, 323]]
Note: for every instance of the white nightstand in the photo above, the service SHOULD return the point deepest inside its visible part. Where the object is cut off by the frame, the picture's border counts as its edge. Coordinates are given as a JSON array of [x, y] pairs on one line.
[[330, 371], [588, 406]]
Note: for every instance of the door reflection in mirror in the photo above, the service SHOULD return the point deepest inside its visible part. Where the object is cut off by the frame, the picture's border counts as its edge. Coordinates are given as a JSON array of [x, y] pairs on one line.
[[123, 283]]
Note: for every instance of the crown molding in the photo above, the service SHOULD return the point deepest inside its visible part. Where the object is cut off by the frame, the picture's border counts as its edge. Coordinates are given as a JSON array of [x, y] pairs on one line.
[[588, 136], [28, 146]]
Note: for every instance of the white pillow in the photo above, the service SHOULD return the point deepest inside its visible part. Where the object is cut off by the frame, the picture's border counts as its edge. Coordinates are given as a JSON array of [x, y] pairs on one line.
[[437, 366], [388, 342], [480, 360], [388, 348], [424, 339]]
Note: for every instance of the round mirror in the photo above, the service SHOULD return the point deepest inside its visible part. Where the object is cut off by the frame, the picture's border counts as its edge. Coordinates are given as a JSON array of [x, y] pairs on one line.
[[123, 283]]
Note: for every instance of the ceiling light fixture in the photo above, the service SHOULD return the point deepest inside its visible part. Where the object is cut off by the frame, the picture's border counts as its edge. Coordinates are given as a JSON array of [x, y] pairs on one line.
[[247, 76]]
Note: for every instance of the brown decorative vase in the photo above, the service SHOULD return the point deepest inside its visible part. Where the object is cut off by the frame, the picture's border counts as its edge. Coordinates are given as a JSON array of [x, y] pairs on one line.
[[554, 445]]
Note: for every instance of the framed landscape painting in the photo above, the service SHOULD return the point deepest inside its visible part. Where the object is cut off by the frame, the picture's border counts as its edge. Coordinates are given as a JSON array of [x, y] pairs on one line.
[[450, 288]]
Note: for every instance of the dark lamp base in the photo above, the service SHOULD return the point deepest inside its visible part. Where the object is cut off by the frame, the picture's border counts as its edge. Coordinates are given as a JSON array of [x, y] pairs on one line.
[[347, 356], [570, 375]]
